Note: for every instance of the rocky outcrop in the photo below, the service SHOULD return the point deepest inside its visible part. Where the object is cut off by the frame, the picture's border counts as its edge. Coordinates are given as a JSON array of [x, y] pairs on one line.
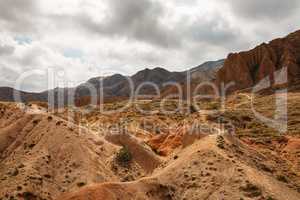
[[247, 68]]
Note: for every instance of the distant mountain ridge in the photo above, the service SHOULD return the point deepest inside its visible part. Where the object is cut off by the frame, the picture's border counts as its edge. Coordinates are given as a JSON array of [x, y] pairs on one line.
[[207, 71], [208, 65], [7, 94], [118, 85], [245, 69]]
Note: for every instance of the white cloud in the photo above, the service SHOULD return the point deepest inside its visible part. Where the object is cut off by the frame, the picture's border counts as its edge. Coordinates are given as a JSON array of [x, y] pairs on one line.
[[90, 38]]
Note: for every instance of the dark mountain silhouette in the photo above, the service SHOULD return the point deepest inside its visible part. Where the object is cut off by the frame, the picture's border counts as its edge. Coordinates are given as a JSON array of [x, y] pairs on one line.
[[117, 86], [7, 94]]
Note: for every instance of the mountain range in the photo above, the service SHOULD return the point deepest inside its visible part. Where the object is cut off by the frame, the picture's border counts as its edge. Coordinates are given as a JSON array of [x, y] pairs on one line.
[[118, 85], [245, 69]]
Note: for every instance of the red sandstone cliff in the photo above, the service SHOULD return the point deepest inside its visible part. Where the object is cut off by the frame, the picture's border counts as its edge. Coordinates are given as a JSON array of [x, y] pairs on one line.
[[249, 67]]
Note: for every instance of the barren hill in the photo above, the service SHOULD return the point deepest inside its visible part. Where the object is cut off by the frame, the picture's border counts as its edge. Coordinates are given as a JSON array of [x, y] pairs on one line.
[[255, 163], [43, 156]]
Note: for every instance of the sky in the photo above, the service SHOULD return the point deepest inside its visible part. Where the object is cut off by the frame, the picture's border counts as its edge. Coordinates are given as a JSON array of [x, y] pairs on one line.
[[79, 39]]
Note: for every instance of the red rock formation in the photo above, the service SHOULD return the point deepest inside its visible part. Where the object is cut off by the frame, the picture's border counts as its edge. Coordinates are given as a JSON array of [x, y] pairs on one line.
[[247, 68], [165, 144]]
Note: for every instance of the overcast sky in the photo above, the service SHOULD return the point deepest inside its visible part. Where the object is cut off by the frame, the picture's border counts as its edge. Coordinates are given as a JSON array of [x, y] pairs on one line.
[[88, 38]]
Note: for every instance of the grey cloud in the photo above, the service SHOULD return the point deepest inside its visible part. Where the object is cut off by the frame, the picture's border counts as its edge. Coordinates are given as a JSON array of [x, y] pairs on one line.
[[267, 9], [31, 58], [185, 40], [7, 73], [9, 77], [6, 50], [18, 15], [39, 84], [136, 20], [140, 20], [215, 31]]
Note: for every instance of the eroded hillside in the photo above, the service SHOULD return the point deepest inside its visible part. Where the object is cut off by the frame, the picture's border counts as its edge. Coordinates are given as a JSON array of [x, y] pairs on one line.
[[72, 154]]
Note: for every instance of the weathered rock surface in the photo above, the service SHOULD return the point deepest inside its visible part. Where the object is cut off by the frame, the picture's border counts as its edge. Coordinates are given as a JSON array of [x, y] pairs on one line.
[[247, 68]]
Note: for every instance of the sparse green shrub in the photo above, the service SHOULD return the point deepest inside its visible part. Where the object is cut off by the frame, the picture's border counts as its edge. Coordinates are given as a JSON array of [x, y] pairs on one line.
[[214, 106], [220, 142], [193, 109], [270, 198], [28, 196], [81, 184], [251, 190], [124, 157], [282, 178]]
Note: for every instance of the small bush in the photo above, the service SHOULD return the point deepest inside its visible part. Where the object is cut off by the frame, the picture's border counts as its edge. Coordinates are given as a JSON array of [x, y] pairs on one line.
[[214, 106], [36, 121], [124, 157], [28, 196], [220, 142], [251, 190], [193, 109], [266, 168], [282, 178], [81, 184]]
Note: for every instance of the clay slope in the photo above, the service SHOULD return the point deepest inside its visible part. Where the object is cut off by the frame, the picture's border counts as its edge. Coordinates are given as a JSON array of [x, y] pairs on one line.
[[249, 67], [41, 156], [200, 171], [44, 158], [256, 163]]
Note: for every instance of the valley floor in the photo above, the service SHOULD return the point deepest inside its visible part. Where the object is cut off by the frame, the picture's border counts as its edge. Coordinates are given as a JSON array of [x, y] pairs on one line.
[[70, 155]]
